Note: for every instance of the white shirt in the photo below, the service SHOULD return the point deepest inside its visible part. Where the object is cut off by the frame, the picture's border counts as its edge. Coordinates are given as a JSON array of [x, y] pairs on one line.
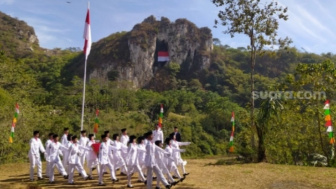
[[64, 140], [104, 151], [35, 147], [158, 135], [92, 153], [55, 150], [124, 139], [48, 142], [132, 155], [74, 154], [150, 155]]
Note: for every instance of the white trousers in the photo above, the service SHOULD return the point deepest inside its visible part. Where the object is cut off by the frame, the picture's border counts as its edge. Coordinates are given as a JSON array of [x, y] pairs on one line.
[[35, 161], [104, 167], [91, 164], [160, 177], [72, 168], [59, 166], [132, 169]]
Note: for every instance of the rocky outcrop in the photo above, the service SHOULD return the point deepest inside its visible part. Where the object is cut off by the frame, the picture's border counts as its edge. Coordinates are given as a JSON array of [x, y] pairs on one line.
[[17, 39], [132, 56]]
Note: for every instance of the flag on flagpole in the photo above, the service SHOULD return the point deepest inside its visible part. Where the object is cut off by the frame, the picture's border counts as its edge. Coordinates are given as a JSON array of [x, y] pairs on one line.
[[14, 121], [86, 49], [96, 124], [161, 116], [232, 132], [87, 34], [328, 123]]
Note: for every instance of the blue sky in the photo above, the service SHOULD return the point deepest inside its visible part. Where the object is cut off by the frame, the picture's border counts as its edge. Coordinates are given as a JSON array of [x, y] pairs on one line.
[[57, 23]]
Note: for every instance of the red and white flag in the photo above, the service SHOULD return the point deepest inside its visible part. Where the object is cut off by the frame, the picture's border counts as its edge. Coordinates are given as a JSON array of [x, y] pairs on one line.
[[163, 56], [87, 34]]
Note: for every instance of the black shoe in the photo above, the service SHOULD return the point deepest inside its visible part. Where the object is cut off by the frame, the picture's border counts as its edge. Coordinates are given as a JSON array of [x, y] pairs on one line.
[[145, 182], [123, 174], [129, 186], [154, 178], [181, 179], [71, 183], [101, 184], [80, 174], [175, 177], [115, 180], [105, 173], [51, 182], [93, 169], [90, 177], [168, 186], [157, 188], [65, 176], [39, 178], [174, 183], [185, 174], [86, 178]]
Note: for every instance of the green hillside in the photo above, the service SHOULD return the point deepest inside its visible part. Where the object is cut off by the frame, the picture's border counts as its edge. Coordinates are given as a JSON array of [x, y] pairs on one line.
[[48, 89]]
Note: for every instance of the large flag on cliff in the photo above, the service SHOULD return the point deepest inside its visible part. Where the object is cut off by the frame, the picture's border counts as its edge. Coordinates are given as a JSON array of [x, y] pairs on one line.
[[87, 34], [163, 56]]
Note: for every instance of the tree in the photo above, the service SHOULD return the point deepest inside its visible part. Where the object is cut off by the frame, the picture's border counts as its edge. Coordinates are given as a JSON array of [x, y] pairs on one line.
[[260, 24]]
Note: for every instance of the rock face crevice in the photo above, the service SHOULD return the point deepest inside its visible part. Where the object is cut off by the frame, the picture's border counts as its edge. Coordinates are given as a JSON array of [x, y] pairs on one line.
[[133, 55]]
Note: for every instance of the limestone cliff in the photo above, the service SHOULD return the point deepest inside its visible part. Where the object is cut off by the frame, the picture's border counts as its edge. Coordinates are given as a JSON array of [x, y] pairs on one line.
[[132, 56], [17, 39]]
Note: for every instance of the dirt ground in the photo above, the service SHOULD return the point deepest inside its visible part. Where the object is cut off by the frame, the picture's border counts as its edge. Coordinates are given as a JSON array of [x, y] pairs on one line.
[[202, 175]]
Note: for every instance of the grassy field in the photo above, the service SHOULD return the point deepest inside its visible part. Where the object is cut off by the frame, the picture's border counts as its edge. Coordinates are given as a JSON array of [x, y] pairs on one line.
[[203, 174]]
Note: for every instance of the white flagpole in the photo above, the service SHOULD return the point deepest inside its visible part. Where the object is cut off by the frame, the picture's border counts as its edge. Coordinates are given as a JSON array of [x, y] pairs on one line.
[[83, 102], [84, 79]]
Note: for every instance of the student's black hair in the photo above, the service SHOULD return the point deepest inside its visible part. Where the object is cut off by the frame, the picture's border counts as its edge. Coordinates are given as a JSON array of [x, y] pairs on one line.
[[73, 137], [114, 137], [105, 132], [55, 135], [171, 136], [50, 134], [167, 141], [66, 129], [83, 131], [140, 139], [145, 135], [158, 142], [69, 137], [175, 127], [131, 138], [123, 130], [103, 136], [36, 132], [90, 136]]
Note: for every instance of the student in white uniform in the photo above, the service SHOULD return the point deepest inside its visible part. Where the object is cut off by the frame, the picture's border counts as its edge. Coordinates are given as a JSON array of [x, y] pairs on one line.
[[161, 158], [118, 161], [110, 142], [177, 155], [170, 161], [92, 159], [83, 141], [151, 164], [124, 138], [104, 161], [158, 134], [34, 155], [132, 161], [64, 142], [48, 142], [74, 161], [141, 155], [54, 152]]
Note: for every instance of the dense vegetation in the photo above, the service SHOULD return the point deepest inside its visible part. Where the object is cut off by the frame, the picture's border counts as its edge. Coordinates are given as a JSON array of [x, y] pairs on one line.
[[200, 104]]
